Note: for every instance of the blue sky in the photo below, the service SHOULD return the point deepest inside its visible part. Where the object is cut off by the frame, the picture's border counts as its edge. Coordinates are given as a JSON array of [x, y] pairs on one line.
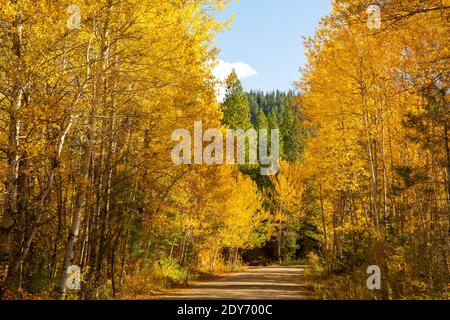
[[266, 35]]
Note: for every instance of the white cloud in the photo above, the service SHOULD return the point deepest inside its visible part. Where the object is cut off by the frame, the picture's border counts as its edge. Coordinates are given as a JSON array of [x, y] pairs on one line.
[[223, 69]]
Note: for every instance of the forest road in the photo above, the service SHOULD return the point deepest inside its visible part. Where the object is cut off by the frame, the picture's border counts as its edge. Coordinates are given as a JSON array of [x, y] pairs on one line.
[[254, 283]]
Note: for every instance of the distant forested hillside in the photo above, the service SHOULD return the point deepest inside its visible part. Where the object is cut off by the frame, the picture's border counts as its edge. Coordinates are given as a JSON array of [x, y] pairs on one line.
[[279, 110]]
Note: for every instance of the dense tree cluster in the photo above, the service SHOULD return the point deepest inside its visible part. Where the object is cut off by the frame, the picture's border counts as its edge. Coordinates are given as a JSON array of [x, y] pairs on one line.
[[86, 116], [87, 112], [378, 160], [280, 110], [282, 193]]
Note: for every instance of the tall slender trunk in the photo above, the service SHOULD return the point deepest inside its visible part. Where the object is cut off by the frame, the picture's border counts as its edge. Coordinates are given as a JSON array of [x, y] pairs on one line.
[[80, 197], [373, 172], [79, 204], [279, 244], [447, 178], [324, 228]]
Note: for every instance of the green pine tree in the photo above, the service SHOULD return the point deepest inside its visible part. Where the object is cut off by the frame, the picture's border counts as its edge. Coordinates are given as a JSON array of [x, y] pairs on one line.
[[236, 111], [261, 120]]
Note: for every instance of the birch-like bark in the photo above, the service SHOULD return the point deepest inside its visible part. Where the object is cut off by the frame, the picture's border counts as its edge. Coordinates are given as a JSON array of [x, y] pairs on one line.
[[80, 197]]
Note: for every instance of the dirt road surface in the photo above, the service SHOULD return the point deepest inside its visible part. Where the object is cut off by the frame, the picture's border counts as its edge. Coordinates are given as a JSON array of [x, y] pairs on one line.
[[255, 283]]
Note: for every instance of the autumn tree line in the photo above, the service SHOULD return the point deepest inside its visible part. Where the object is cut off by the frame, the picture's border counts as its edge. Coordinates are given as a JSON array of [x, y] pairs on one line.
[[376, 102], [85, 141], [284, 230], [86, 117]]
